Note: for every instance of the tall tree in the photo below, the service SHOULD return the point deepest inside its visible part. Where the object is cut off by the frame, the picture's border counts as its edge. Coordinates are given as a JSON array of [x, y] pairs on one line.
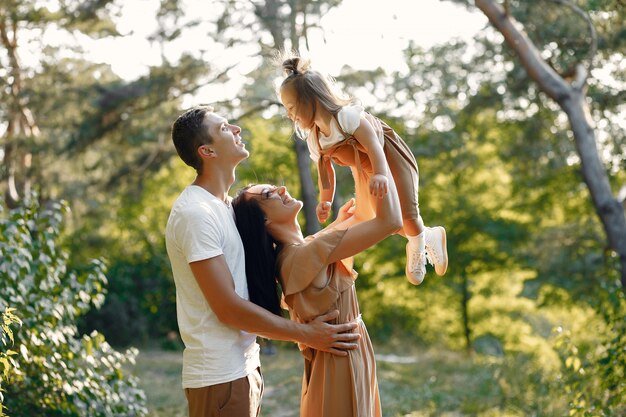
[[65, 115], [288, 24], [569, 91], [21, 132]]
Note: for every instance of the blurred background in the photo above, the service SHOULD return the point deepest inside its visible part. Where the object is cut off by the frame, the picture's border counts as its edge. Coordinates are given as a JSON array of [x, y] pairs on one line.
[[530, 319]]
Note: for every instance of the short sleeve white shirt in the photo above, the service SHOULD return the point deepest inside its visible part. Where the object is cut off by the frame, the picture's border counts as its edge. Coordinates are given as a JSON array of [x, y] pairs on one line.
[[349, 118], [201, 226]]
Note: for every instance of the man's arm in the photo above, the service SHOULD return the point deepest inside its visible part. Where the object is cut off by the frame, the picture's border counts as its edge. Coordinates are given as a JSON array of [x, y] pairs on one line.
[[216, 283]]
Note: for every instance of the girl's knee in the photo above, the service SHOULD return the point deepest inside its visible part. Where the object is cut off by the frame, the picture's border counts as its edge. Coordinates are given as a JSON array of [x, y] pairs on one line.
[[412, 227]]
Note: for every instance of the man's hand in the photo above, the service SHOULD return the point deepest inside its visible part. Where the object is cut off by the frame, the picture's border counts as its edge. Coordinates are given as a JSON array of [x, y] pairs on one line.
[[332, 338], [379, 185], [323, 211]]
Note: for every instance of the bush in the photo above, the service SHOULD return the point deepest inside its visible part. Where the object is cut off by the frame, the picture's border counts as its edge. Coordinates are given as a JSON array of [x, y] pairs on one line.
[[594, 378], [141, 295], [58, 372], [7, 360]]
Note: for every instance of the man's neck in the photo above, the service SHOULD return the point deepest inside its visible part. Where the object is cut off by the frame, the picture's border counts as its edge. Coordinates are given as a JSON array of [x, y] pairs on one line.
[[216, 181]]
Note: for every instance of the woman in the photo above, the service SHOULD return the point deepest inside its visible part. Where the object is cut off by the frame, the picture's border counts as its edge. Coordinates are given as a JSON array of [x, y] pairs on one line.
[[316, 276]]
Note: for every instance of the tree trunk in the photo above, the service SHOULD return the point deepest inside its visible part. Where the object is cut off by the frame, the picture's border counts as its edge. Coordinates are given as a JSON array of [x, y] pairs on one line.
[[269, 14], [608, 208], [465, 312], [571, 98], [21, 124], [309, 195]]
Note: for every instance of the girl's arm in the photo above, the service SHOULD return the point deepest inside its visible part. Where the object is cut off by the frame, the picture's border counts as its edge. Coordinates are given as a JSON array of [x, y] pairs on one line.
[[343, 220], [326, 195], [366, 136]]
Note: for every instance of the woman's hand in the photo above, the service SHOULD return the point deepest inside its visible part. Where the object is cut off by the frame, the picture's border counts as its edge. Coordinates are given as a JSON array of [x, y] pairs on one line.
[[323, 211], [347, 210], [379, 185]]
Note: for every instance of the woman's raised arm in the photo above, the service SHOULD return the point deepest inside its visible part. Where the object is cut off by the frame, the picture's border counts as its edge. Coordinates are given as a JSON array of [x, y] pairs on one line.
[[361, 236]]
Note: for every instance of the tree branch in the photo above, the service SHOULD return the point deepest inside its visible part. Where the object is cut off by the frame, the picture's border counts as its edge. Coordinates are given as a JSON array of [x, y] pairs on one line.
[[265, 103], [550, 81], [583, 73], [621, 196]]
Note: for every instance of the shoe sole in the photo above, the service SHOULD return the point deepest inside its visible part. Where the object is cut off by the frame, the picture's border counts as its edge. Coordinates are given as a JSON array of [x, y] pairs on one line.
[[444, 264], [408, 275]]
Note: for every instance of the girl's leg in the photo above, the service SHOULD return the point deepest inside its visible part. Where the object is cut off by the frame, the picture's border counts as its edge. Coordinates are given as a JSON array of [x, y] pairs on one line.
[[432, 241], [363, 199], [413, 230], [437, 249], [412, 227]]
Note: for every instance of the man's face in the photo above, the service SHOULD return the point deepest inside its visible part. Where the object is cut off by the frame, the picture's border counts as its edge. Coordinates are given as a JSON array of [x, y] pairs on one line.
[[227, 143]]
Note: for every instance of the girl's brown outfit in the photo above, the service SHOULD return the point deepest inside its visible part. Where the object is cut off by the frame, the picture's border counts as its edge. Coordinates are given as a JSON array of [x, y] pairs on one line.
[[332, 386], [349, 152]]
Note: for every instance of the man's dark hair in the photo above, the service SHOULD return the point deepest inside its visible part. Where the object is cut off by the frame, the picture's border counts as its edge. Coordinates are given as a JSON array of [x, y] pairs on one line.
[[189, 133]]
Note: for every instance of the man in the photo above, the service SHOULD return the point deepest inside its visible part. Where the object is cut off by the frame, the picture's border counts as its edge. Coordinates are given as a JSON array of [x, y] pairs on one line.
[[221, 367]]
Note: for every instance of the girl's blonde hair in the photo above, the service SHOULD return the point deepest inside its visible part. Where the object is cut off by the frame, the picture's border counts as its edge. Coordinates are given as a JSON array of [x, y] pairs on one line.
[[311, 87]]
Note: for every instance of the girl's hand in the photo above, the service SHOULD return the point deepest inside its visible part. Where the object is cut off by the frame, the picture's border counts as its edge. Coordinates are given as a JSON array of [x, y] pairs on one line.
[[379, 185], [323, 211], [346, 211]]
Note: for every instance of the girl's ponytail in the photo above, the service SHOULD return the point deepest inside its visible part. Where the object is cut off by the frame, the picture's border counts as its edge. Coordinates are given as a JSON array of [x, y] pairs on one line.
[[295, 65]]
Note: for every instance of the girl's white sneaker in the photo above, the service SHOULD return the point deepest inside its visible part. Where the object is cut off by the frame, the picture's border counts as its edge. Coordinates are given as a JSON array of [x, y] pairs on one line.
[[415, 269], [436, 249]]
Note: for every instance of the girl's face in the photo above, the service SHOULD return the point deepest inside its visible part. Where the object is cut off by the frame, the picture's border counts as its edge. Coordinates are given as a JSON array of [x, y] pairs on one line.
[[300, 113], [276, 203]]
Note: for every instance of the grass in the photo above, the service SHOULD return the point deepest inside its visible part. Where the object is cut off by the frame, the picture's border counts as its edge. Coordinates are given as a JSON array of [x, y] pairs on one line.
[[428, 383], [159, 374]]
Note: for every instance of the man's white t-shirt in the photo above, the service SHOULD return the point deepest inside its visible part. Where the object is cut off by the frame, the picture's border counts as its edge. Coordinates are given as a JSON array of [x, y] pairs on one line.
[[201, 226]]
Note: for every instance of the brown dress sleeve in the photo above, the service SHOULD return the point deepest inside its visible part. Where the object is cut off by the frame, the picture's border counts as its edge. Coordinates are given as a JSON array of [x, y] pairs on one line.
[[301, 264]]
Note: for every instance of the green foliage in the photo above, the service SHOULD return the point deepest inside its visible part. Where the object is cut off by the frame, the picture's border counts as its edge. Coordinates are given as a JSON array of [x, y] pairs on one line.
[[272, 158], [141, 291], [522, 236], [87, 16], [498, 169], [58, 372], [594, 376], [7, 356]]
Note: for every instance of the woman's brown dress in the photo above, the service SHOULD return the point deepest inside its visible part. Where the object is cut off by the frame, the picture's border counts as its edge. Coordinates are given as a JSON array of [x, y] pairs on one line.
[[332, 386]]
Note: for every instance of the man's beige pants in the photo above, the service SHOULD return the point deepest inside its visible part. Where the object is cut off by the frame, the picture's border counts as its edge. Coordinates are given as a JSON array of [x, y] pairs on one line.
[[238, 398]]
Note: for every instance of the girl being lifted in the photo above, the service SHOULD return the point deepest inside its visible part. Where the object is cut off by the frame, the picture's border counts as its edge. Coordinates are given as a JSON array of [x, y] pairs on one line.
[[339, 131]]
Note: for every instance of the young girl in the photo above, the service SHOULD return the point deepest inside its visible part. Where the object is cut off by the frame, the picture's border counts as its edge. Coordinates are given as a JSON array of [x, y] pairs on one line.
[[343, 133]]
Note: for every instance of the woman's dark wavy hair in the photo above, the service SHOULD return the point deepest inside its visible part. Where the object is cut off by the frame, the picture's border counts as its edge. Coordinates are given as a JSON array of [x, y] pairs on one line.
[[260, 252]]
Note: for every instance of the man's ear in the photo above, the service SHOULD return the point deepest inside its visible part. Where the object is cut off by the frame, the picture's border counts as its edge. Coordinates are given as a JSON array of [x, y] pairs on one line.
[[205, 151]]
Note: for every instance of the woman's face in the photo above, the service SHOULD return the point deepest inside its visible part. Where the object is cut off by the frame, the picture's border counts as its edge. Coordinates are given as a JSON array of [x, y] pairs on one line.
[[300, 113], [276, 203]]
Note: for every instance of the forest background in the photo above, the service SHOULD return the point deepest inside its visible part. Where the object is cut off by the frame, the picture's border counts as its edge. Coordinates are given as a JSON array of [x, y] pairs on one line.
[[521, 144]]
